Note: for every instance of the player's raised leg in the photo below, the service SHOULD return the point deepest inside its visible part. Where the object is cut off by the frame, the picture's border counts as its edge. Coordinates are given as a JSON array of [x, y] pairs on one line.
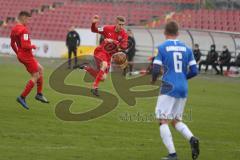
[[39, 96], [85, 66], [100, 77], [93, 71]]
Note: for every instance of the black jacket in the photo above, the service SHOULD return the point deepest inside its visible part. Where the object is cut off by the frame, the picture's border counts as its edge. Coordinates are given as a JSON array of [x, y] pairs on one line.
[[237, 61], [197, 54], [212, 56], [101, 39], [131, 46], [225, 57], [73, 39]]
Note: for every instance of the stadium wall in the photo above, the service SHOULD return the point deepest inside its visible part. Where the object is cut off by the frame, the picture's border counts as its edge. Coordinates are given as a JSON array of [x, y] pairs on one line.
[[55, 49], [44, 48], [146, 41]]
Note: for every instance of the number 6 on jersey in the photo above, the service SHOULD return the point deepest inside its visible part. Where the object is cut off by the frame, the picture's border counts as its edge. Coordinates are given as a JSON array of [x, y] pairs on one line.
[[177, 60]]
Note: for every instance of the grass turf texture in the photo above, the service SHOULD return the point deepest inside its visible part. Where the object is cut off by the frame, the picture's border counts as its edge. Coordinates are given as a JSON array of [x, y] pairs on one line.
[[38, 135]]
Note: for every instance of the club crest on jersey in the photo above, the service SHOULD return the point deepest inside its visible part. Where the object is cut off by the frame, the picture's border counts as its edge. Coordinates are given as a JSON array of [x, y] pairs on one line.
[[25, 37], [100, 29]]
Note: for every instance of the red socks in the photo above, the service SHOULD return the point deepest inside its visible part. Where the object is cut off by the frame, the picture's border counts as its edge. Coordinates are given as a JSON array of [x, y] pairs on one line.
[[28, 88], [99, 77], [91, 71], [40, 84]]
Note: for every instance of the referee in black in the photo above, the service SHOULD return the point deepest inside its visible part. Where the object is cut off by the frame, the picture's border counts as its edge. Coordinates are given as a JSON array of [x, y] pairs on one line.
[[72, 42]]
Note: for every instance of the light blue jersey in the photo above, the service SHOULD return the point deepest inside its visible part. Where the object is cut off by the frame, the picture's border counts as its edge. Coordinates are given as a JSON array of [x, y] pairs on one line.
[[175, 57]]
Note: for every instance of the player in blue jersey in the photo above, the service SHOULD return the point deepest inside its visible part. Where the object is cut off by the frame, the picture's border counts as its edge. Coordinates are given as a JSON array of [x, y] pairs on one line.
[[177, 64]]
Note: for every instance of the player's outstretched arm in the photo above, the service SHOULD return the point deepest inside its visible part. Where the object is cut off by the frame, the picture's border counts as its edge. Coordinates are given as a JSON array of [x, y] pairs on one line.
[[95, 19], [94, 27]]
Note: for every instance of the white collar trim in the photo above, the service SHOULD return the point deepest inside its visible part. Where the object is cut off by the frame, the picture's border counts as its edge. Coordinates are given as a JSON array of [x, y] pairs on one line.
[[172, 40]]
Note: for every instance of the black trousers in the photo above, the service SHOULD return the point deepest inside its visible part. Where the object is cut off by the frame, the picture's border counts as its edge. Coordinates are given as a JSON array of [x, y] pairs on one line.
[[234, 64], [70, 52], [206, 63], [221, 67], [130, 57]]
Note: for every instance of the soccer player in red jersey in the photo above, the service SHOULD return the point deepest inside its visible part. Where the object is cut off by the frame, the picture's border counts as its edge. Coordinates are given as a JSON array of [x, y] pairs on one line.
[[115, 40], [21, 44]]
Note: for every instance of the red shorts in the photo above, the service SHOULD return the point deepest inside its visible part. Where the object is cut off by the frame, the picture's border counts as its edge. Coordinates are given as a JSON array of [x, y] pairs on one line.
[[31, 64], [101, 56]]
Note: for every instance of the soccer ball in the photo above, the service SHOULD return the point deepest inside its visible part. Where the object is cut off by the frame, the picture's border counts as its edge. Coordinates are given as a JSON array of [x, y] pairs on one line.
[[119, 58]]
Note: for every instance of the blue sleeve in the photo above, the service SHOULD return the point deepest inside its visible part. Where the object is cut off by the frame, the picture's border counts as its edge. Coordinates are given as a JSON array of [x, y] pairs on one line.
[[155, 71], [193, 71], [157, 63], [191, 59], [158, 58]]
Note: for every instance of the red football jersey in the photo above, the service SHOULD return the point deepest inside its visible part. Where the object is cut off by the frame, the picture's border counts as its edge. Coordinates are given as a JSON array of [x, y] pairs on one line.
[[120, 38], [20, 41]]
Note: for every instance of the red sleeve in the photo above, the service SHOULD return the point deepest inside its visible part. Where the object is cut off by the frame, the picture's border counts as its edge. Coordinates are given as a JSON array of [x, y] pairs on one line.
[[13, 44], [95, 29], [124, 42], [25, 40]]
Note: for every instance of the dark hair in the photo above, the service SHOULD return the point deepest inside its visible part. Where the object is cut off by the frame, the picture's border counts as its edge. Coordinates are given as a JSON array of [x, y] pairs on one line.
[[171, 28], [121, 18], [24, 13], [196, 45]]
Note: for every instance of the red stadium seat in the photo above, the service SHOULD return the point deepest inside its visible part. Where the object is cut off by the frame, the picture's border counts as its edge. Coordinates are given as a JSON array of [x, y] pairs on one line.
[[53, 24]]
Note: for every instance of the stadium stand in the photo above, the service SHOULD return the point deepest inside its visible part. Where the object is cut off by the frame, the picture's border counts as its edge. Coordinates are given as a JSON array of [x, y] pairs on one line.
[[10, 8], [52, 23], [222, 20]]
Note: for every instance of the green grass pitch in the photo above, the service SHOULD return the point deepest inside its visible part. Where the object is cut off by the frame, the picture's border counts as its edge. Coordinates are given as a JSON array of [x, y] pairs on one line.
[[37, 134]]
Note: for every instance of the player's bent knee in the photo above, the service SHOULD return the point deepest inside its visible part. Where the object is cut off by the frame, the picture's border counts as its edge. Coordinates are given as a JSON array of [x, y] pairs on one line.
[[104, 65], [35, 77], [104, 77], [174, 122], [40, 69]]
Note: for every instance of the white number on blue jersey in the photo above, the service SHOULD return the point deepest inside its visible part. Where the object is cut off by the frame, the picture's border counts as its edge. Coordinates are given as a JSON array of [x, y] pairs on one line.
[[177, 59]]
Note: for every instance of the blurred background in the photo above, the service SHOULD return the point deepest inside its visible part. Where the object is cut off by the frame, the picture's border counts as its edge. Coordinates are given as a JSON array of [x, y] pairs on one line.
[[204, 22]]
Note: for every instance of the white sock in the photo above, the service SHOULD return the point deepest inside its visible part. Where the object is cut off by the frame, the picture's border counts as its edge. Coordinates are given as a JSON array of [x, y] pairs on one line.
[[184, 130], [167, 138]]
